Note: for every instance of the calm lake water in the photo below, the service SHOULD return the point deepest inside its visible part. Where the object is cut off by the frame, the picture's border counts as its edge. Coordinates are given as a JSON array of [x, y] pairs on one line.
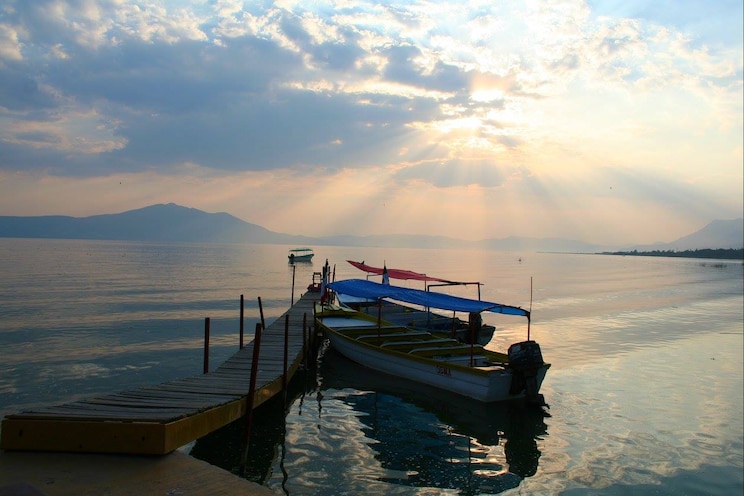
[[645, 391]]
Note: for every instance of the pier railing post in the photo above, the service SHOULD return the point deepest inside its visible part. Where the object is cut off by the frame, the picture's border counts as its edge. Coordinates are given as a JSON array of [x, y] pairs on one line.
[[206, 345], [241, 323], [305, 341], [251, 393], [294, 269], [286, 357], [260, 309]]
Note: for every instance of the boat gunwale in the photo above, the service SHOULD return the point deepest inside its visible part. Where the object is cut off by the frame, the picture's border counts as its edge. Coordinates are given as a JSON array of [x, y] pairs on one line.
[[429, 360]]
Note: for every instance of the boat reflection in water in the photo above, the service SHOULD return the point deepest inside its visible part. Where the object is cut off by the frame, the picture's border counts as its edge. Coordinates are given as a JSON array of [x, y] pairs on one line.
[[355, 430], [436, 439]]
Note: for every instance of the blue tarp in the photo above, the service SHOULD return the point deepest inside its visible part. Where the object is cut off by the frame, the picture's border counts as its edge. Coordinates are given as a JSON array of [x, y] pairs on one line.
[[362, 288]]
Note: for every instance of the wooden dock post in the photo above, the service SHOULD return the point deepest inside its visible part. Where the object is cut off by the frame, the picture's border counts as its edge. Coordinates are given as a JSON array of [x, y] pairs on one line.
[[242, 324], [294, 269], [206, 345], [260, 309], [307, 342], [286, 357], [251, 394]]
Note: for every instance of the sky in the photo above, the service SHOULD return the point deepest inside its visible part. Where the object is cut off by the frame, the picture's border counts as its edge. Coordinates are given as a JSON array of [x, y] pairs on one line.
[[601, 121]]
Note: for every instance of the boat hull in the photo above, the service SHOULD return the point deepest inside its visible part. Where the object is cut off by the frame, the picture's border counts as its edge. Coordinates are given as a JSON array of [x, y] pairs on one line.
[[300, 255], [486, 384]]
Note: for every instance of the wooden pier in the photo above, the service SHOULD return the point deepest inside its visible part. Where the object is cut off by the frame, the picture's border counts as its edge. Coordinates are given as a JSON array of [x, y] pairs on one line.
[[155, 420]]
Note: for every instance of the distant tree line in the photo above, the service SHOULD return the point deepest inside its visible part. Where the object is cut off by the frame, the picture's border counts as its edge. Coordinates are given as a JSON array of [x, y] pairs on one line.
[[722, 253]]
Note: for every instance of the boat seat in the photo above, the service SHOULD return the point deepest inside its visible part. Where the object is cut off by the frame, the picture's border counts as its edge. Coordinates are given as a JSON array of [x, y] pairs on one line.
[[416, 343], [436, 350], [393, 335], [367, 328]]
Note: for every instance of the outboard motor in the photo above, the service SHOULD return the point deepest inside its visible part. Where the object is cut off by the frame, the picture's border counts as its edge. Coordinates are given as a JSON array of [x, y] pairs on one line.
[[525, 359]]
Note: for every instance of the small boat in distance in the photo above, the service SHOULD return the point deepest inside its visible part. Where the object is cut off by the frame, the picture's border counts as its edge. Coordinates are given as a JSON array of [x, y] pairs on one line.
[[300, 255], [468, 369]]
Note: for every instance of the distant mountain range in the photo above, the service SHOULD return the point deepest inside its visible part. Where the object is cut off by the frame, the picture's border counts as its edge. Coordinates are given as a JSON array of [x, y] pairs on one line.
[[174, 223], [717, 234]]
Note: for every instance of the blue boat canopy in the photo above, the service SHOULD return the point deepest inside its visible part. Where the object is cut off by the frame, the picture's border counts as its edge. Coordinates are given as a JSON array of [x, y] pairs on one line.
[[362, 288]]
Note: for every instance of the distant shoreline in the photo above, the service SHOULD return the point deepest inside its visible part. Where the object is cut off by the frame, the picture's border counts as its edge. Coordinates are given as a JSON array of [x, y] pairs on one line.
[[718, 253]]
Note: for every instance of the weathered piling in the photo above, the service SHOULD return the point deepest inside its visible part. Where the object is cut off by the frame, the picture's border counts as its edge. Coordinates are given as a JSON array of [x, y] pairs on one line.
[[206, 345], [242, 323], [286, 354], [252, 388]]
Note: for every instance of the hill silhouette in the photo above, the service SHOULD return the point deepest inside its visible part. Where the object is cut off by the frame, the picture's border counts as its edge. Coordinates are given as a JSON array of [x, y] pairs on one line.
[[175, 223], [161, 222]]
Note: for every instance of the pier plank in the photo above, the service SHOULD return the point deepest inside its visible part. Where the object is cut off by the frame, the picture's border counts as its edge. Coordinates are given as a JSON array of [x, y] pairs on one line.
[[158, 419]]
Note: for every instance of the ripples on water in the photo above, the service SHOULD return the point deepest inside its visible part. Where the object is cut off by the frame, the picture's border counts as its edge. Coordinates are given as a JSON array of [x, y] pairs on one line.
[[645, 389], [352, 432]]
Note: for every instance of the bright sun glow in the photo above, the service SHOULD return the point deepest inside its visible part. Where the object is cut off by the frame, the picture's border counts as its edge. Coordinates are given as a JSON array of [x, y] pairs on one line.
[[473, 120]]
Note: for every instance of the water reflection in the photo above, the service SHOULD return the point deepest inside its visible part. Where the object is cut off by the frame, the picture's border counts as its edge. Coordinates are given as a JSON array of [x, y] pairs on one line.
[[225, 447], [351, 430], [435, 438]]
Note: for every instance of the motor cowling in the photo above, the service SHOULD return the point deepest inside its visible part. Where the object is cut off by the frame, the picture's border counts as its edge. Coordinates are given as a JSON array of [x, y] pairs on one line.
[[525, 359], [525, 354]]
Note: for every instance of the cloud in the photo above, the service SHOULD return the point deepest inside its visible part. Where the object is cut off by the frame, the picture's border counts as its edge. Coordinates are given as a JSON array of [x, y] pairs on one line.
[[444, 96], [457, 173], [10, 48]]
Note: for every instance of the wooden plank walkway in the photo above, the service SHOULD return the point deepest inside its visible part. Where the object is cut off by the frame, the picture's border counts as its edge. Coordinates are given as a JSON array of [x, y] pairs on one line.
[[159, 419]]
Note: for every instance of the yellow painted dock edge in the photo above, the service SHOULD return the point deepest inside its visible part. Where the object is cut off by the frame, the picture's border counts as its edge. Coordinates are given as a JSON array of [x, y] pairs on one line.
[[124, 437]]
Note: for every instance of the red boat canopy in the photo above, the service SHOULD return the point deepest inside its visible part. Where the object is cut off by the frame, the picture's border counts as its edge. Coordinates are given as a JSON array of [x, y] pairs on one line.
[[396, 273]]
